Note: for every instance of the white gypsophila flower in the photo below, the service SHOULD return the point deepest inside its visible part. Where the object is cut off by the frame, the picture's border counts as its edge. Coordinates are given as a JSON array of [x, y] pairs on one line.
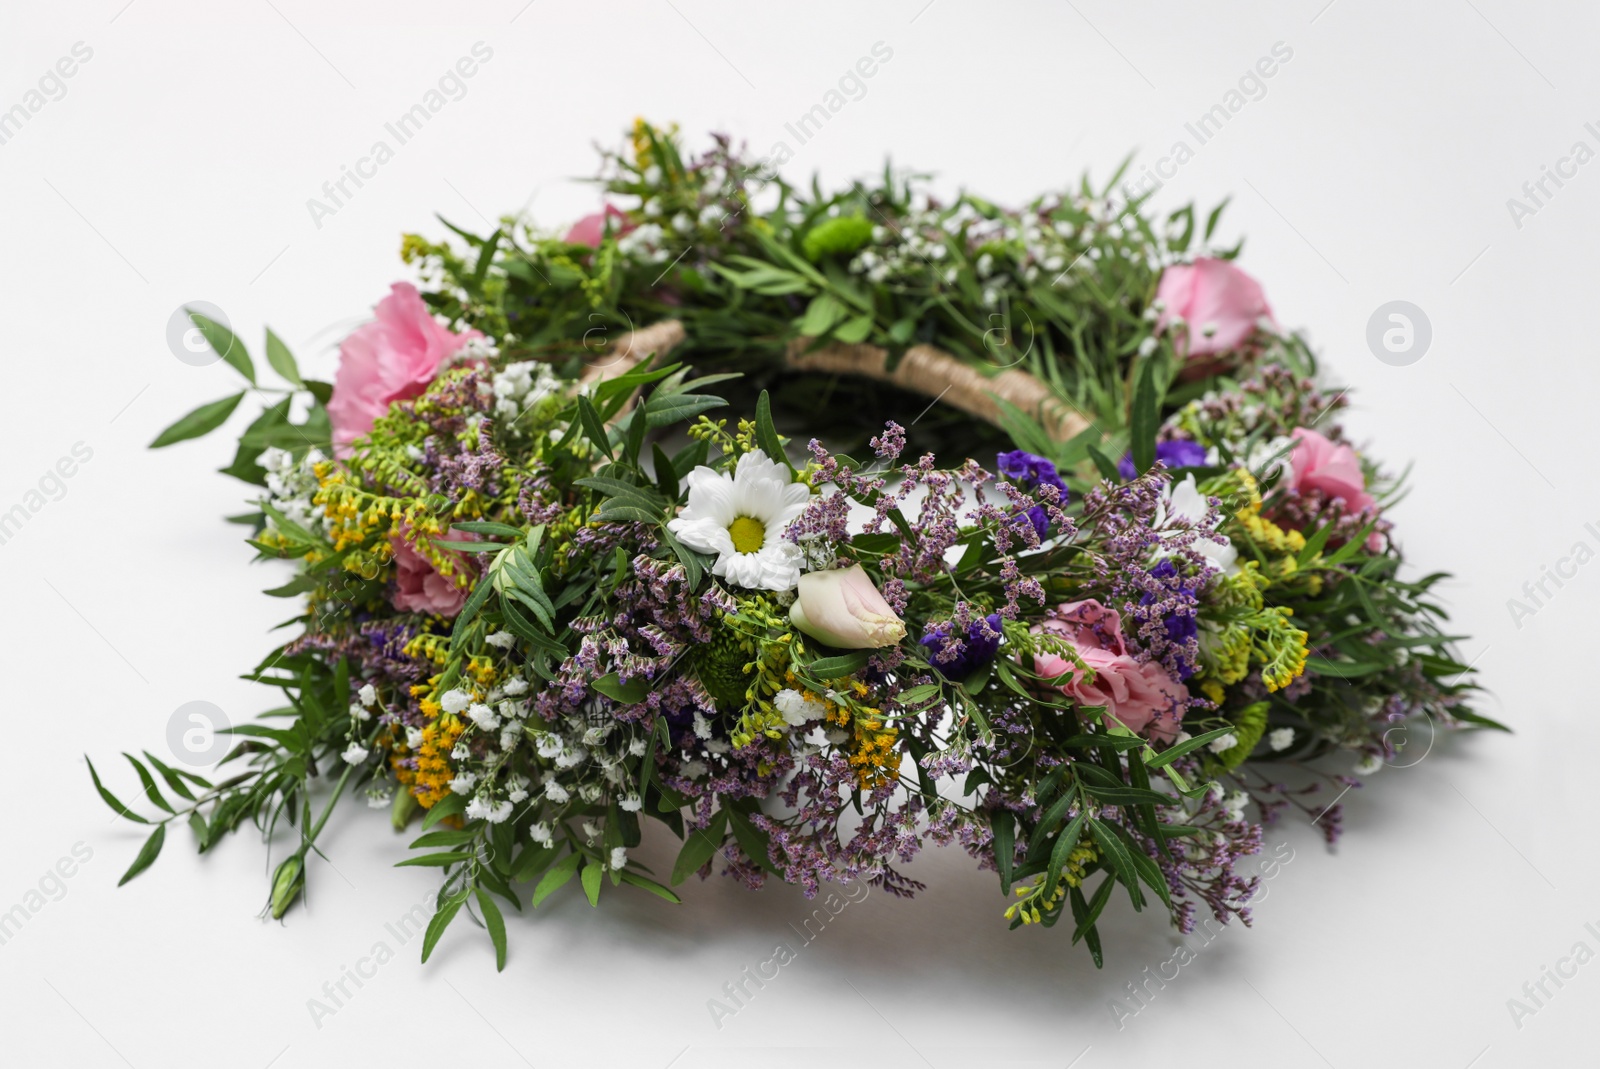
[[718, 746], [502, 639], [464, 782], [636, 748], [360, 712], [355, 753], [453, 701], [702, 726], [695, 769], [478, 808], [367, 695], [540, 833], [1225, 743], [1368, 765], [741, 518], [460, 753], [498, 812], [550, 745], [590, 792], [379, 795], [556, 793], [483, 716], [591, 830], [509, 736], [1280, 738], [630, 804], [515, 685], [413, 738], [796, 709], [571, 757], [1235, 802], [619, 858]]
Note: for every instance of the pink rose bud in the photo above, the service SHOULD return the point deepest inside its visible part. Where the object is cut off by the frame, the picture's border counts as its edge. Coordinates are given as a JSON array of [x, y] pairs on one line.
[[842, 608], [592, 227], [1319, 464], [1219, 304]]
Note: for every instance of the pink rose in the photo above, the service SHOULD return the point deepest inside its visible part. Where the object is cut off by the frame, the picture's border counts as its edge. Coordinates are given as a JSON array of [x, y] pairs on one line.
[[1318, 464], [591, 228], [1211, 294], [390, 359], [418, 586], [1143, 697]]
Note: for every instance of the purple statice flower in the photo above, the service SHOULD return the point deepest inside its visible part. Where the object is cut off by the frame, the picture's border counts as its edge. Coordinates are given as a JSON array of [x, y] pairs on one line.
[[956, 658], [1180, 619], [1178, 453], [1030, 470]]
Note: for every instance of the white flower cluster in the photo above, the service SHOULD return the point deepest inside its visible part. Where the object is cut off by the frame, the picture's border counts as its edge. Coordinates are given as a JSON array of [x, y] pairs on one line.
[[525, 395], [291, 484], [1027, 245]]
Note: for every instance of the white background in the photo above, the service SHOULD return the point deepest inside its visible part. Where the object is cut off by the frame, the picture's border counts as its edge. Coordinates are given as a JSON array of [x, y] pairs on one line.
[[1377, 167]]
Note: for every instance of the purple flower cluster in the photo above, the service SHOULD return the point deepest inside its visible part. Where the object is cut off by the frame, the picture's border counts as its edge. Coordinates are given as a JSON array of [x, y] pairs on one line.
[[957, 657], [1030, 470], [1177, 453]]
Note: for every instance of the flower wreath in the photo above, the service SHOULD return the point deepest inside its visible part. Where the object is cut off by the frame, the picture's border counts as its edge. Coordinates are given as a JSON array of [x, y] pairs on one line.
[[554, 593]]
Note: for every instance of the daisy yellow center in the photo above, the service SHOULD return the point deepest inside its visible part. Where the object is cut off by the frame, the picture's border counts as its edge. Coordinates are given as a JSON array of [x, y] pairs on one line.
[[748, 534]]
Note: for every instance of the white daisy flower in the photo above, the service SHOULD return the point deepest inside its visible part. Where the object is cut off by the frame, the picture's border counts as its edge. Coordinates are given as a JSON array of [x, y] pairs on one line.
[[741, 518]]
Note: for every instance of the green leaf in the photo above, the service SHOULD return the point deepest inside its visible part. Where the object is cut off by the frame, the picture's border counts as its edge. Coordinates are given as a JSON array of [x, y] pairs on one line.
[[700, 847], [1004, 824], [766, 433], [281, 359], [449, 837], [1065, 842], [151, 791], [630, 693], [111, 799], [501, 530], [840, 666], [821, 314], [496, 924], [475, 600], [225, 345], [1104, 464], [593, 429], [592, 874], [448, 908], [1145, 418], [854, 330], [435, 861], [147, 854], [1172, 753], [662, 411], [448, 806], [203, 420], [650, 885], [556, 878]]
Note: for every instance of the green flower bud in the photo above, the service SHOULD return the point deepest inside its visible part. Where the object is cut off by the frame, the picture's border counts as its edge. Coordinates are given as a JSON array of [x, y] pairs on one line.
[[287, 883], [403, 808]]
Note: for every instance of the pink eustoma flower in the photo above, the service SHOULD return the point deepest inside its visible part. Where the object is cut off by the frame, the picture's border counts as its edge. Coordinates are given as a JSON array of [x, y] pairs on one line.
[[1219, 303], [390, 359], [1143, 697]]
